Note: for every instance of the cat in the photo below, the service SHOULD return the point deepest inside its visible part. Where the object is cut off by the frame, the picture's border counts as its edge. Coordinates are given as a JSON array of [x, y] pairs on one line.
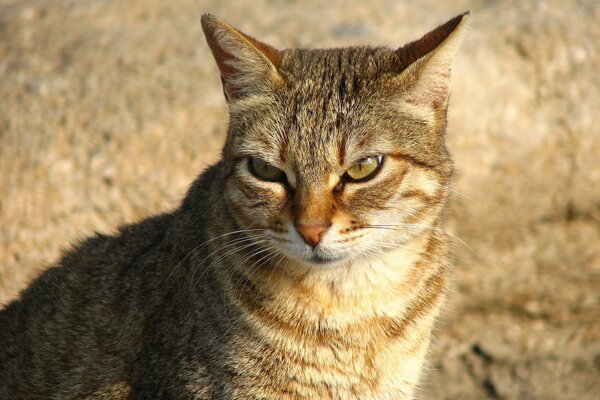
[[310, 262]]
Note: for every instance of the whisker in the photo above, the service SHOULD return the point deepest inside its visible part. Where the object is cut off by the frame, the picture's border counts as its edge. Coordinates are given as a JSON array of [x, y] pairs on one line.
[[245, 245], [450, 189], [404, 247], [227, 245], [388, 227], [440, 230], [256, 266], [267, 258], [427, 227], [205, 243]]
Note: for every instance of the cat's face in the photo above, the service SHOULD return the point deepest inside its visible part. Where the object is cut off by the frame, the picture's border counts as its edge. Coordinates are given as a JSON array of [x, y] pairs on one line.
[[332, 154], [327, 173]]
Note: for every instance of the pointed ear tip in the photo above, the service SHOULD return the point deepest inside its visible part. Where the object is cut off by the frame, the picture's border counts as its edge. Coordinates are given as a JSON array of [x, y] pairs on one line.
[[209, 21], [207, 17], [459, 22], [206, 20], [464, 17]]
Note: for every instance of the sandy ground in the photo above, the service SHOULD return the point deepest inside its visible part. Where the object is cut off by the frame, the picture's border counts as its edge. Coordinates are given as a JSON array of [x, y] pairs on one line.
[[108, 109]]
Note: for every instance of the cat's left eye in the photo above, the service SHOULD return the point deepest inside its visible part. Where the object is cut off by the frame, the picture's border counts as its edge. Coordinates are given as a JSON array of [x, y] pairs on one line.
[[265, 171], [364, 169]]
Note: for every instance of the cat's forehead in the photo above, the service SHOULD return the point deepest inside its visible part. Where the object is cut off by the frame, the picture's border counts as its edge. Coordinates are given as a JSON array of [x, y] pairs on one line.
[[333, 107], [327, 65], [328, 98]]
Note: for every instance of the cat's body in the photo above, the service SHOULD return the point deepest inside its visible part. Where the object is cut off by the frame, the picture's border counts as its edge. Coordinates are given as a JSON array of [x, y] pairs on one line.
[[286, 278]]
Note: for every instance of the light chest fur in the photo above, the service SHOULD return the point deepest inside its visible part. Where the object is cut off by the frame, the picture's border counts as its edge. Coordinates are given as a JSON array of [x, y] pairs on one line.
[[357, 332], [310, 262]]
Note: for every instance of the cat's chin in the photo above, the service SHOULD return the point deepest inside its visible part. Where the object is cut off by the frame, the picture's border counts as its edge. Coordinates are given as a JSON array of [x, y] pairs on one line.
[[319, 260], [301, 256]]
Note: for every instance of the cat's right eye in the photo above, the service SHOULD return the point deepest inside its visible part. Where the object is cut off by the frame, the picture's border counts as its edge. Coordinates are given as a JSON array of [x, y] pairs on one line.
[[364, 169], [265, 171]]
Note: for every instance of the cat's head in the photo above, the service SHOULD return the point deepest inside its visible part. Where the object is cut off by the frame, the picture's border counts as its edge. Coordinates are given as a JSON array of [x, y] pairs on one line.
[[335, 154]]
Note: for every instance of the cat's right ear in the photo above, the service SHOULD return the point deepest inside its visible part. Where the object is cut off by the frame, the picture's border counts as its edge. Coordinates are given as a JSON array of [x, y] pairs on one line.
[[247, 66], [426, 63]]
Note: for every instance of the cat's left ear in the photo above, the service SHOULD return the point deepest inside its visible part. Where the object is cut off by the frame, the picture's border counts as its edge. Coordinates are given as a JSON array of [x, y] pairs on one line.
[[247, 65], [428, 61]]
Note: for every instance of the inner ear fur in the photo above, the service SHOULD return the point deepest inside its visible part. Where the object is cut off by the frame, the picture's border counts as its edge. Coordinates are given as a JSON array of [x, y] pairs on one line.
[[247, 66], [426, 63]]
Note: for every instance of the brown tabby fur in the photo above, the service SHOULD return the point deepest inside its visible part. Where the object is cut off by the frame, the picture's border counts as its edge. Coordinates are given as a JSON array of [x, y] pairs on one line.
[[222, 298]]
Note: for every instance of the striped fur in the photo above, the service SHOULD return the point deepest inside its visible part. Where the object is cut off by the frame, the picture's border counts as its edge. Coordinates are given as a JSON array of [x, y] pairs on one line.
[[357, 327], [224, 298]]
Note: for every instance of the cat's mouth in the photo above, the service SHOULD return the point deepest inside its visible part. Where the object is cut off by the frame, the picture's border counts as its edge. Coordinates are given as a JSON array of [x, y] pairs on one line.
[[322, 260], [312, 256]]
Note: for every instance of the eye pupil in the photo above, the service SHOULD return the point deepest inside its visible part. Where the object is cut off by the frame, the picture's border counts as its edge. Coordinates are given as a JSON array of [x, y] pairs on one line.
[[364, 169]]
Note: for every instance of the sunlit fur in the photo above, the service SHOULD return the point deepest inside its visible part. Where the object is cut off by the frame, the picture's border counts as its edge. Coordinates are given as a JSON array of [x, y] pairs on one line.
[[223, 298], [351, 317]]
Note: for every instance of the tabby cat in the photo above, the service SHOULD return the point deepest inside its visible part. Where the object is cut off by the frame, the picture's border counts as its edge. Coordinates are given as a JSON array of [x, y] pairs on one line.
[[309, 263]]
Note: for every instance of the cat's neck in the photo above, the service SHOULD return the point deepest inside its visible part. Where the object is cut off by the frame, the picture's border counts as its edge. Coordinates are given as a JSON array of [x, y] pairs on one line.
[[365, 325], [344, 296]]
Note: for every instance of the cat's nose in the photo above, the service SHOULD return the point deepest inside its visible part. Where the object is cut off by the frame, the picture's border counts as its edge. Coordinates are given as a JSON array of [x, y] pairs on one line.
[[312, 234]]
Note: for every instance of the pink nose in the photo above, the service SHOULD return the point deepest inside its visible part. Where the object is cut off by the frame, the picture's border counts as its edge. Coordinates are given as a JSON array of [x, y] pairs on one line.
[[312, 234]]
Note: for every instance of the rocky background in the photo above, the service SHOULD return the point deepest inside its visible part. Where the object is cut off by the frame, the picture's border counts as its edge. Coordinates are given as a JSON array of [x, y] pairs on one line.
[[108, 109]]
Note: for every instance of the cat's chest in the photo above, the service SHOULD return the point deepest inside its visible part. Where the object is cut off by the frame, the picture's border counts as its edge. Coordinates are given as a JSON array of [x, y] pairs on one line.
[[329, 369], [375, 360], [312, 344]]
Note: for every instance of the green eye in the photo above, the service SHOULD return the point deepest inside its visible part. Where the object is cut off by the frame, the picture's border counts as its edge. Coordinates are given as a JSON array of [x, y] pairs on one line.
[[365, 169], [265, 171]]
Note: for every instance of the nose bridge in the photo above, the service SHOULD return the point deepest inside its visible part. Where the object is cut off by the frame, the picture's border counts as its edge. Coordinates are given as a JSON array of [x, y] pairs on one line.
[[312, 204], [312, 213]]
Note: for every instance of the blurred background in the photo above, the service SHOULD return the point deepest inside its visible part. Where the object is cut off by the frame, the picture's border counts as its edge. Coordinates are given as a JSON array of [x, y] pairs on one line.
[[109, 109]]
